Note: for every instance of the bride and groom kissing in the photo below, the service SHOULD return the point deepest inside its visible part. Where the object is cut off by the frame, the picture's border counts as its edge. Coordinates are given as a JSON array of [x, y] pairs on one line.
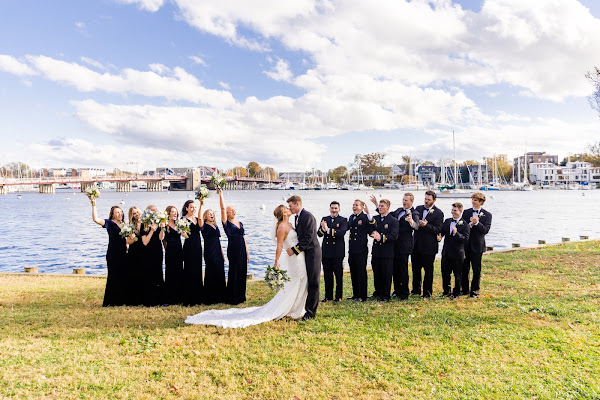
[[298, 251]]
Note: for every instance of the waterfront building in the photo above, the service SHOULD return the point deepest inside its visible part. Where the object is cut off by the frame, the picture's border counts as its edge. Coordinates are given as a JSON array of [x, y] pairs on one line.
[[575, 172]]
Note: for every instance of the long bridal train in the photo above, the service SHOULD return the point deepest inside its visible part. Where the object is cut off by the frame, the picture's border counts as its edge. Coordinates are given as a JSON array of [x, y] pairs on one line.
[[288, 302]]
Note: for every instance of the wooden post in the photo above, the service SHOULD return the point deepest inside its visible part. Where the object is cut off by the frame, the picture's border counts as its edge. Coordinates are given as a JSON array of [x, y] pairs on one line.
[[3, 189], [249, 277], [515, 245], [79, 271], [541, 242], [584, 237], [31, 270], [566, 239]]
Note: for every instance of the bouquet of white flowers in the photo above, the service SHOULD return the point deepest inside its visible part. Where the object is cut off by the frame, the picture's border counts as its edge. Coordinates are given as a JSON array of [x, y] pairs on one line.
[[92, 191], [218, 181], [202, 192], [276, 278], [126, 231], [182, 225], [149, 218]]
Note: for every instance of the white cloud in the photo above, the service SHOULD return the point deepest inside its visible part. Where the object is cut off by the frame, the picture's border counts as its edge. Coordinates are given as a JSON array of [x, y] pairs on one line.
[[146, 5], [13, 66], [93, 63], [175, 84], [198, 60], [224, 85], [281, 71], [80, 25]]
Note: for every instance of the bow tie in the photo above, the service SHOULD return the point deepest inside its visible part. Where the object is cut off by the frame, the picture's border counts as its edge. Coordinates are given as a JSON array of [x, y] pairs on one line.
[[454, 220]]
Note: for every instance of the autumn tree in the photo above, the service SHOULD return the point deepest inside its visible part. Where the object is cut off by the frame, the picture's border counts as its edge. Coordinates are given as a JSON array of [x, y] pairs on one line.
[[253, 169], [504, 168], [238, 171], [338, 174]]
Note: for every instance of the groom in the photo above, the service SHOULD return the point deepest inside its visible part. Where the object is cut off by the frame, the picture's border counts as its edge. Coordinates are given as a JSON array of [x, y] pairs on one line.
[[306, 229]]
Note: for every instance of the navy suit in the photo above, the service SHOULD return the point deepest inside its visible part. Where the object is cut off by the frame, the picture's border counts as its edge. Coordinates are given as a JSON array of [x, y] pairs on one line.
[[403, 247], [306, 228], [425, 249], [453, 253], [333, 249], [474, 249], [382, 259], [359, 228]]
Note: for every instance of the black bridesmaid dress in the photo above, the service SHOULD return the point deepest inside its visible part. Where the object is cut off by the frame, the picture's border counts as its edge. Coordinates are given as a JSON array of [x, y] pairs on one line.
[[238, 263], [115, 293], [174, 279], [214, 273], [192, 266], [152, 280], [135, 271]]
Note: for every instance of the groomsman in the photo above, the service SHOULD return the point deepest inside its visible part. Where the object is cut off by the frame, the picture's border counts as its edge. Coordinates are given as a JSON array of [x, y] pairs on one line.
[[332, 230], [426, 244], [360, 225], [456, 234], [382, 257], [480, 221], [408, 221]]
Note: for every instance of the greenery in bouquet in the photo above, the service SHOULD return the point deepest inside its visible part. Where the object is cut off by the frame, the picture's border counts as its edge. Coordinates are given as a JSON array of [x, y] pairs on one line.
[[276, 278], [149, 217], [218, 181], [92, 191], [127, 230], [202, 192], [182, 225]]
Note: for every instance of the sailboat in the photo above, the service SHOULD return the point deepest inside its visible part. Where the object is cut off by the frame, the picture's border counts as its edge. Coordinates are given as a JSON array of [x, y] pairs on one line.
[[452, 192]]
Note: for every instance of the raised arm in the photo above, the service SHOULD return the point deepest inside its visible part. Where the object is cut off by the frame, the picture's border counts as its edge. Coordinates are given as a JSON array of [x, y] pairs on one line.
[[95, 213], [146, 238], [200, 220], [222, 203]]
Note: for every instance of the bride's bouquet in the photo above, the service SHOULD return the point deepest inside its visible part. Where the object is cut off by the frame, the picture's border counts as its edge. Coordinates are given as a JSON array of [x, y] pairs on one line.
[[218, 181], [202, 192], [182, 225], [126, 231], [92, 191], [276, 278]]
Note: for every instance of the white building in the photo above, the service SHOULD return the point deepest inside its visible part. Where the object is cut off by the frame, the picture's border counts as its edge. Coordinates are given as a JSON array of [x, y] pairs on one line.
[[573, 172]]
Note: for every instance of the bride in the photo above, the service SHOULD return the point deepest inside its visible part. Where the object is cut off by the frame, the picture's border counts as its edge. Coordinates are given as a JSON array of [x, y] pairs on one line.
[[289, 301]]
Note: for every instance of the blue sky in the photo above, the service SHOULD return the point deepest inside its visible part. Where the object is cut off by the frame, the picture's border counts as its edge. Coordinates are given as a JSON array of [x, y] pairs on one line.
[[293, 84]]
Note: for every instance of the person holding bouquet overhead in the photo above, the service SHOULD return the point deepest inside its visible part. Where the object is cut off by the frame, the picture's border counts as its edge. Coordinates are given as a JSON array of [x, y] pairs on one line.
[[174, 279], [214, 274], [237, 253], [115, 293], [135, 258], [192, 257], [152, 236]]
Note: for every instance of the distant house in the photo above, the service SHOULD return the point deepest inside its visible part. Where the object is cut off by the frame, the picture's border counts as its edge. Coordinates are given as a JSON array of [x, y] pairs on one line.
[[573, 172]]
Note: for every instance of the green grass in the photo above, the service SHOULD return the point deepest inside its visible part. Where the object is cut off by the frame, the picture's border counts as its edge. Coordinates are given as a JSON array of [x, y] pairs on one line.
[[533, 333]]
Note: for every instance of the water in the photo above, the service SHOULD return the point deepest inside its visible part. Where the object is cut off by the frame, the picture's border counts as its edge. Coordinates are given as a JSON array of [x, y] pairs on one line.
[[57, 235]]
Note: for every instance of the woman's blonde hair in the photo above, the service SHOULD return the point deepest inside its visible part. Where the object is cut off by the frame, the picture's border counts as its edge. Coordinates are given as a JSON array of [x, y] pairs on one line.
[[279, 213], [132, 220]]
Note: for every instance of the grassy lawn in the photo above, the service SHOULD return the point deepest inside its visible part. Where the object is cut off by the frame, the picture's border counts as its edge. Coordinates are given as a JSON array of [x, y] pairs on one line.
[[533, 333]]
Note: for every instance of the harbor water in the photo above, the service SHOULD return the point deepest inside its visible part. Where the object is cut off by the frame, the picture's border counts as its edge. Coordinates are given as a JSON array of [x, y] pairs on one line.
[[55, 232]]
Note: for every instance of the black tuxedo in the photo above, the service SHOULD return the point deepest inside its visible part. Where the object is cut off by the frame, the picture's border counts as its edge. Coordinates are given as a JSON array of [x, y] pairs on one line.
[[333, 250], [359, 227], [403, 246], [474, 248], [306, 228], [453, 253], [382, 259], [425, 249]]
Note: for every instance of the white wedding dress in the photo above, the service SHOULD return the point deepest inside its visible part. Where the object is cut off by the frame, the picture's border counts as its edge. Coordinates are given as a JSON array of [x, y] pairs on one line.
[[288, 302]]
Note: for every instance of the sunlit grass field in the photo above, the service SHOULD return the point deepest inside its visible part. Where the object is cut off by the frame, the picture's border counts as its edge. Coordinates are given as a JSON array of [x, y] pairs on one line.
[[533, 333]]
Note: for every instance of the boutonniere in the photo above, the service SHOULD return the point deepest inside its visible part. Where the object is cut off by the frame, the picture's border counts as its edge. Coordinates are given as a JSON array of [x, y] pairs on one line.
[[385, 226], [359, 222], [338, 225], [431, 212], [481, 215], [460, 222]]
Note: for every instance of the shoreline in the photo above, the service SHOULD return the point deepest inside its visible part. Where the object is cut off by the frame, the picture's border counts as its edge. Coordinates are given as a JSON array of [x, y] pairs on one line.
[[346, 268]]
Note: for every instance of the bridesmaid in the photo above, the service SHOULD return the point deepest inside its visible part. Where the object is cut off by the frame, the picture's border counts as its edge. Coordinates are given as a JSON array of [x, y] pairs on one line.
[[135, 258], [192, 257], [174, 279], [214, 274], [237, 254], [115, 293], [152, 278]]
